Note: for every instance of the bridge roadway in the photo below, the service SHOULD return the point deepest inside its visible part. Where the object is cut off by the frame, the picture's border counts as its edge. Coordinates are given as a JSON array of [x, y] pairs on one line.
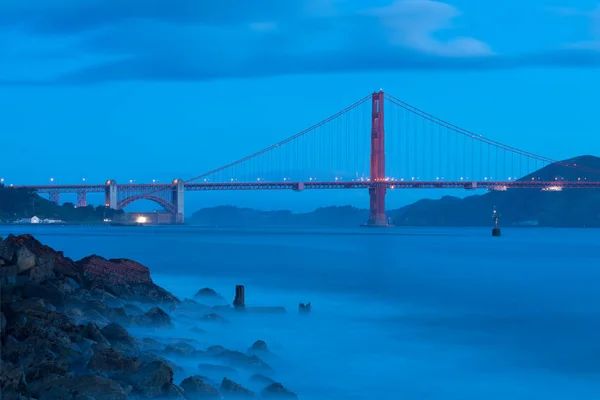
[[416, 184]]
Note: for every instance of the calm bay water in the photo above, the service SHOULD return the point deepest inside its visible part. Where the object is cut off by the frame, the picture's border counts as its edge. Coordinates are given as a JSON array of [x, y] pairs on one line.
[[409, 313]]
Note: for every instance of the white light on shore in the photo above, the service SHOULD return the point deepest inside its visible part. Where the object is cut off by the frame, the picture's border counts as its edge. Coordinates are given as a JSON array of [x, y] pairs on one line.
[[141, 219]]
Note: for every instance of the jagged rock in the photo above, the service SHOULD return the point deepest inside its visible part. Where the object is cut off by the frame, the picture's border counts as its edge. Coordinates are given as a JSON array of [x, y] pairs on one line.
[[48, 291], [120, 339], [182, 350], [258, 347], [12, 380], [195, 387], [84, 387], [261, 380], [304, 308], [238, 358], [111, 362], [153, 379], [125, 279], [213, 317], [197, 330], [148, 357], [92, 332], [155, 318], [209, 294], [277, 391], [24, 259], [229, 387]]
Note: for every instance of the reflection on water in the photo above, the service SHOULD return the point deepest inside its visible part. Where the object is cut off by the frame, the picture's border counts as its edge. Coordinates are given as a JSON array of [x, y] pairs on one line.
[[400, 313]]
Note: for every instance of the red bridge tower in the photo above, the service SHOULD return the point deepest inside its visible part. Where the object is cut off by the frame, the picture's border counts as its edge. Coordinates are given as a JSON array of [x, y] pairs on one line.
[[377, 193]]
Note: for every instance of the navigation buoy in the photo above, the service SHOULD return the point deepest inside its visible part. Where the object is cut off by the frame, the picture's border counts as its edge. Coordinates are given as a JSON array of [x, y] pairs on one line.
[[495, 217]]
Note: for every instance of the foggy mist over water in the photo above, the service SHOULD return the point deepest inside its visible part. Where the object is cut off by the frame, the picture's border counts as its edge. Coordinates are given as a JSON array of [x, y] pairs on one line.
[[412, 313]]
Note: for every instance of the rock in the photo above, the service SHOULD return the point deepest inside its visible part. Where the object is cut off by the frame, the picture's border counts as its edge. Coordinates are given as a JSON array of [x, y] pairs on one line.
[[155, 318], [2, 322], [304, 308], [84, 387], [213, 317], [24, 259], [197, 330], [261, 380], [120, 339], [195, 387], [259, 346], [148, 357], [92, 332], [238, 358], [12, 380], [277, 391], [110, 362], [209, 294], [125, 279], [182, 350], [152, 379], [229, 387], [48, 291]]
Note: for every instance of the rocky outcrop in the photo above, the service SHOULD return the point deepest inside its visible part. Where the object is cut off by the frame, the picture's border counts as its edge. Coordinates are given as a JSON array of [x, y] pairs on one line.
[[231, 388], [277, 391], [208, 294], [195, 387], [125, 279], [261, 380], [63, 332], [214, 317]]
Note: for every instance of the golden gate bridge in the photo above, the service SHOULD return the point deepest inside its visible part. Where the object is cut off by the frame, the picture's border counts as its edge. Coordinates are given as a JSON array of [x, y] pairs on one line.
[[379, 143]]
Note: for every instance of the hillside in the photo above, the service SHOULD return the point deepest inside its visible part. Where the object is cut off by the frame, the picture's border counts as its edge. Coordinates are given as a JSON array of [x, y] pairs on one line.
[[229, 216], [518, 207], [19, 203]]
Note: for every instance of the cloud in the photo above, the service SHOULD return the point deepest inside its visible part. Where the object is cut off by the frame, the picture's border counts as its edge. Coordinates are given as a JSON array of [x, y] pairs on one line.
[[87, 41]]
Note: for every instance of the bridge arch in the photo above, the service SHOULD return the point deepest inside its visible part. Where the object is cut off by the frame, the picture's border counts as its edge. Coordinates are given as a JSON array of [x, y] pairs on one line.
[[167, 205]]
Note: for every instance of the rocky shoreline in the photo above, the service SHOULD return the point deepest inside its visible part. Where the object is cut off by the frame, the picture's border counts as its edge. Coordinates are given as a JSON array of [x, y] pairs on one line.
[[65, 333]]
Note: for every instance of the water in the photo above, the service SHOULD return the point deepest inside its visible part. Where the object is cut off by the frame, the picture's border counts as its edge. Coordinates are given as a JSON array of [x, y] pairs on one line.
[[397, 314]]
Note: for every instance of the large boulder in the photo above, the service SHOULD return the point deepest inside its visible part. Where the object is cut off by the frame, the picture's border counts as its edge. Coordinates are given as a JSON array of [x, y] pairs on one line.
[[125, 279], [231, 388], [239, 359], [111, 362], [277, 391], [84, 387], [155, 380], [120, 339], [153, 318], [195, 387], [36, 260], [209, 295]]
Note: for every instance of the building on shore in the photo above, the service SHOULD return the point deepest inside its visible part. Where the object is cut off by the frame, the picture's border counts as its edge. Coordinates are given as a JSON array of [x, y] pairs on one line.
[[29, 220]]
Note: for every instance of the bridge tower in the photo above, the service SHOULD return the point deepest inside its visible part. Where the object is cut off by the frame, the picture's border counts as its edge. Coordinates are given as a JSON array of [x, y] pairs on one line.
[[110, 194], [178, 200], [377, 193]]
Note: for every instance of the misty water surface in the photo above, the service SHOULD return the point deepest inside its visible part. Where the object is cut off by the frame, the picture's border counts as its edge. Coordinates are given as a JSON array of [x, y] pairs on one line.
[[397, 313]]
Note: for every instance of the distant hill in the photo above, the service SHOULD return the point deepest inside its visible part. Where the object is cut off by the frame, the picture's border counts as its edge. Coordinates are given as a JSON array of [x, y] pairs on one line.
[[518, 207], [229, 216], [19, 203]]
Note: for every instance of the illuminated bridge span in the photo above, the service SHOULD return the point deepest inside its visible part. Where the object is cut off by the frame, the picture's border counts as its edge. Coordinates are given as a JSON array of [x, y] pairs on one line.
[[379, 144]]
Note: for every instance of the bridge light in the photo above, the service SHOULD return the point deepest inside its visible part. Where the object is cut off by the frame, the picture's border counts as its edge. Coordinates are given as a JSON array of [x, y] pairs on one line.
[[83, 179], [1, 180], [153, 180], [51, 179]]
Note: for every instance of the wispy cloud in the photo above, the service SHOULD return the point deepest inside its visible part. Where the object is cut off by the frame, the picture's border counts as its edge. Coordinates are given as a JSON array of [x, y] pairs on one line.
[[82, 41]]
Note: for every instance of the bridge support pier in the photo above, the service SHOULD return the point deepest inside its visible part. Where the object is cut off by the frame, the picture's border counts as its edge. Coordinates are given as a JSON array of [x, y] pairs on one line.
[[110, 194], [81, 199], [178, 200], [55, 197], [377, 193]]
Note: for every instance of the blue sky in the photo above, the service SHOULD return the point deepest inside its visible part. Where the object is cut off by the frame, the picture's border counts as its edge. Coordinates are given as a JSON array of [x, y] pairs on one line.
[[157, 89]]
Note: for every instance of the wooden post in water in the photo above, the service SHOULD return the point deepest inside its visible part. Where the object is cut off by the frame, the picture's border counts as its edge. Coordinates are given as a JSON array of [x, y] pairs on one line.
[[240, 298]]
